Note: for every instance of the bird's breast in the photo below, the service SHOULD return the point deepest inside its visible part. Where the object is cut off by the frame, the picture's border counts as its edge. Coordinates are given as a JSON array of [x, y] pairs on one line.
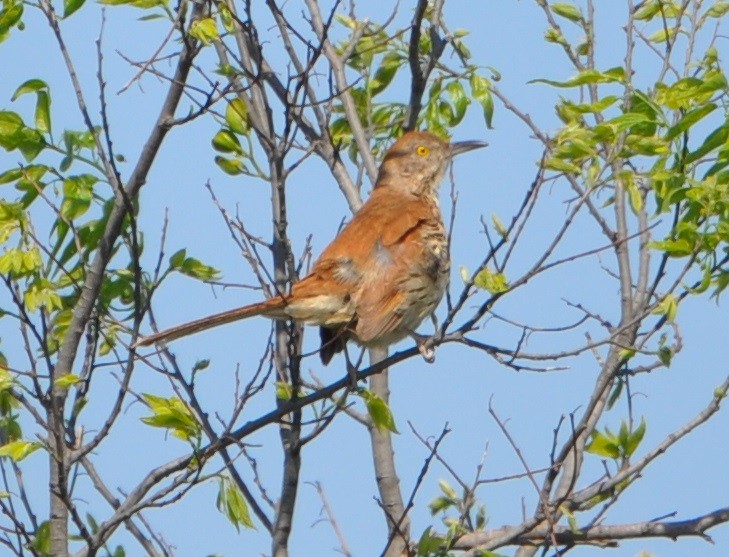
[[438, 263], [435, 249]]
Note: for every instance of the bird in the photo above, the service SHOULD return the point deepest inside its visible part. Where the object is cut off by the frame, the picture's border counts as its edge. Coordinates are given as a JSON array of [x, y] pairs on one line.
[[385, 271]]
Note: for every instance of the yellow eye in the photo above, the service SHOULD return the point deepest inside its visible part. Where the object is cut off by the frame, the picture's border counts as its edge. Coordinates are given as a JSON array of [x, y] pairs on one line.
[[422, 150]]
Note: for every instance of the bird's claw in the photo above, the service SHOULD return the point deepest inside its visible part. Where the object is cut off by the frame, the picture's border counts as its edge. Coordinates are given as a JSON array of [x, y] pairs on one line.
[[352, 372], [353, 379], [427, 352], [425, 347]]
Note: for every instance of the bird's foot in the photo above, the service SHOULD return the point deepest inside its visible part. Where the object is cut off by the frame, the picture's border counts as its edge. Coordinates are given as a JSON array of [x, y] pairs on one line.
[[425, 346], [352, 371], [353, 379]]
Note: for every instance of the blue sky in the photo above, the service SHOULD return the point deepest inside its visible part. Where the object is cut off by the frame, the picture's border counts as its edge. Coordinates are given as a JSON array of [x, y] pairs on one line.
[[506, 35]]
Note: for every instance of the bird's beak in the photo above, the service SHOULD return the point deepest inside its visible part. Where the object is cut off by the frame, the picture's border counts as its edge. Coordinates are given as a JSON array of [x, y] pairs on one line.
[[464, 146]]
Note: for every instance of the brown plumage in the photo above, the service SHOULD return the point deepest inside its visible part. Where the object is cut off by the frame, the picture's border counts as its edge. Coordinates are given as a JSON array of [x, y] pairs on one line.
[[387, 269]]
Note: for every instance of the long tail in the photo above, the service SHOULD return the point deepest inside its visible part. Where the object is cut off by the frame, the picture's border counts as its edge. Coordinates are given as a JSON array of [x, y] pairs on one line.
[[270, 308]]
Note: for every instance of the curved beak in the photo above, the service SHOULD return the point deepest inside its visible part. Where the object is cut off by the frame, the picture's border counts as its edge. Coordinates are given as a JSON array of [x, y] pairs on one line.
[[464, 146]]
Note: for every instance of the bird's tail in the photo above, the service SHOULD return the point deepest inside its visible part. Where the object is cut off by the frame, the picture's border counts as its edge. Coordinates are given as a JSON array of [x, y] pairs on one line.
[[270, 308]]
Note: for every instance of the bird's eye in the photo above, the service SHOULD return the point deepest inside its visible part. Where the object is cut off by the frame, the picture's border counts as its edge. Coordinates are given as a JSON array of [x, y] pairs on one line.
[[422, 150]]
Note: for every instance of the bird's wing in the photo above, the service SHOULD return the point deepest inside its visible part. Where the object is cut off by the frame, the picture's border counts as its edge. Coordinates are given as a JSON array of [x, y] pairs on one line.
[[319, 299], [360, 272], [381, 300], [386, 235]]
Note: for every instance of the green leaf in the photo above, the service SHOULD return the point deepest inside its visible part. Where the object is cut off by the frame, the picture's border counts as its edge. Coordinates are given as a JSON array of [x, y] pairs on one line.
[[440, 504], [461, 48], [152, 17], [560, 165], [675, 248], [172, 414], [584, 48], [14, 135], [627, 121], [9, 425], [576, 143], [552, 35], [481, 91], [602, 445], [718, 9], [642, 103], [465, 275], [201, 365], [690, 91], [429, 543], [68, 380], [494, 283], [30, 183], [346, 21], [385, 73], [447, 489], [284, 390], [665, 355], [225, 141], [11, 175], [715, 139], [18, 450], [459, 100], [593, 108], [568, 11], [7, 381], [689, 119], [93, 524], [20, 262], [628, 181], [233, 505], [178, 258], [197, 269], [668, 307], [10, 125], [43, 112], [571, 519], [205, 30], [378, 410], [226, 70], [78, 194], [626, 353], [230, 166], [615, 394], [634, 439], [10, 16], [236, 116], [341, 131], [499, 226], [663, 35], [648, 10], [703, 286], [585, 77], [30, 86], [30, 143], [42, 539], [41, 293], [623, 434], [71, 6], [481, 517]]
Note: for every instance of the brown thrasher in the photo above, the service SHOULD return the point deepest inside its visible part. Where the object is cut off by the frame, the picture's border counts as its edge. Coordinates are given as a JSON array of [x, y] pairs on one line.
[[387, 269]]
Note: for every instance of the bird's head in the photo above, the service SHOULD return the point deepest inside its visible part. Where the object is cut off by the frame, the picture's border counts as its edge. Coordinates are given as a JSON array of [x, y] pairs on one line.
[[418, 160]]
